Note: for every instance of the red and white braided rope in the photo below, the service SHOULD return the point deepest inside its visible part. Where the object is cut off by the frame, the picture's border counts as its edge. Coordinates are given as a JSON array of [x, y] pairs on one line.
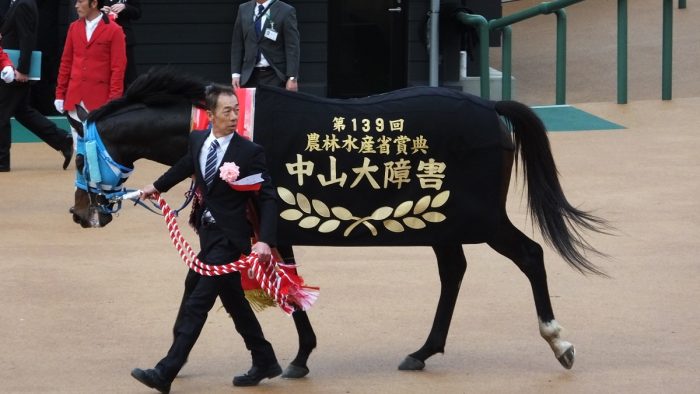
[[267, 275]]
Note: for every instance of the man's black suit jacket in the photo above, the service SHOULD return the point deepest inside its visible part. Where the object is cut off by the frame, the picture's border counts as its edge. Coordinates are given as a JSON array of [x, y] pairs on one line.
[[19, 31], [228, 206]]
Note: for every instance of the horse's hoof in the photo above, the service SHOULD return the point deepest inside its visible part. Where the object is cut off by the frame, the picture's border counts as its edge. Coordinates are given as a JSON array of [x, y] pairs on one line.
[[295, 372], [567, 358], [411, 364]]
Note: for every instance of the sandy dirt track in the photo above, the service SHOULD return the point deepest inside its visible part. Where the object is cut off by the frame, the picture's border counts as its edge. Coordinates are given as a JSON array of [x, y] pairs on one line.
[[81, 308]]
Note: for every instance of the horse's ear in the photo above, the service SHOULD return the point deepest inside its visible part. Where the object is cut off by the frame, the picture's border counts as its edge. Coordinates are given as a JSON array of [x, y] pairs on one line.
[[82, 112], [76, 125]]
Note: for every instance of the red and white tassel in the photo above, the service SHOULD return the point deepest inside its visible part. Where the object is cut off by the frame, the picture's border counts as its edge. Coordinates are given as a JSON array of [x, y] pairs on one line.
[[276, 279]]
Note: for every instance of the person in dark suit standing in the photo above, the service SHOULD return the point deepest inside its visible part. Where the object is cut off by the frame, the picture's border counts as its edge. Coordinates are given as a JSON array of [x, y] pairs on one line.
[[265, 45], [224, 234], [19, 31], [126, 11], [265, 51]]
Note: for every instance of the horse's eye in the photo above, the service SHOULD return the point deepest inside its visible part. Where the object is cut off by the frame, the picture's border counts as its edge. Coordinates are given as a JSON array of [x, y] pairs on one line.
[[101, 199], [79, 162]]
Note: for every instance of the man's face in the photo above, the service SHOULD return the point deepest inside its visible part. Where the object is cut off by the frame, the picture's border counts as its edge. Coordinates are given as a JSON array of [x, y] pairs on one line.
[[83, 7], [224, 118]]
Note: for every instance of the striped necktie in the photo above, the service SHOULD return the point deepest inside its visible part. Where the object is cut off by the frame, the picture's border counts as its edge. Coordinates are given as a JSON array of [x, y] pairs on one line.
[[210, 168], [258, 20]]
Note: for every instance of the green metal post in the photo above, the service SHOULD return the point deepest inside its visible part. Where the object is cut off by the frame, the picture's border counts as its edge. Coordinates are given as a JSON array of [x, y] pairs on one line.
[[561, 57], [501, 23], [507, 62], [484, 60], [667, 61], [483, 27], [622, 51]]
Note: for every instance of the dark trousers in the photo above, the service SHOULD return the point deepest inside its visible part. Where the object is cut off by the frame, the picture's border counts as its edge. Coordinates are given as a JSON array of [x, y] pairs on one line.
[[14, 101], [130, 73], [197, 304], [264, 76]]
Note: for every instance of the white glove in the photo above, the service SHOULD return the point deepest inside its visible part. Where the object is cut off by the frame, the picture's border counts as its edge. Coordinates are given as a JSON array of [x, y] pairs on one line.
[[8, 74], [59, 105]]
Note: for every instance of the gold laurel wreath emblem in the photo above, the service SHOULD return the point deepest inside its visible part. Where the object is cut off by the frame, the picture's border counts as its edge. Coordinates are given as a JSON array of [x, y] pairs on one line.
[[408, 214]]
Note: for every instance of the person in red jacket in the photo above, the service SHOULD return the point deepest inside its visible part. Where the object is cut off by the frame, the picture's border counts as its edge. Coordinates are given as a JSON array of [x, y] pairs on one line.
[[93, 61], [7, 69]]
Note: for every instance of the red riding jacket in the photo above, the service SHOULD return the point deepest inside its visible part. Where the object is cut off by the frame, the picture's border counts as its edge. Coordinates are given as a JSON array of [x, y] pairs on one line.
[[4, 60], [92, 72]]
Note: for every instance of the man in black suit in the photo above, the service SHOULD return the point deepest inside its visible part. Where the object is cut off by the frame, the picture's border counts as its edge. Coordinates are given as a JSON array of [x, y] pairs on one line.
[[265, 51], [126, 11], [224, 235], [265, 45], [19, 31]]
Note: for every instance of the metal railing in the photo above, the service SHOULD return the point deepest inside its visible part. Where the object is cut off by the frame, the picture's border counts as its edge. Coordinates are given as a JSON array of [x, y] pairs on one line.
[[557, 7], [483, 27]]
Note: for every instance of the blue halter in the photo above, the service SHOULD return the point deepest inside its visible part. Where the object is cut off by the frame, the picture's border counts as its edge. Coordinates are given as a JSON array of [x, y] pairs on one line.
[[101, 174]]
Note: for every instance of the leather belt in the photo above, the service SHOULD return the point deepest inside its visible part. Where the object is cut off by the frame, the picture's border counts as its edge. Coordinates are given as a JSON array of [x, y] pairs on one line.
[[264, 69]]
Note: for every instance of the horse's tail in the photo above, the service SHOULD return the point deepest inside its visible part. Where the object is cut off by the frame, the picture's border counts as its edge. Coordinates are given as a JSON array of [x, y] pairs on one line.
[[559, 222]]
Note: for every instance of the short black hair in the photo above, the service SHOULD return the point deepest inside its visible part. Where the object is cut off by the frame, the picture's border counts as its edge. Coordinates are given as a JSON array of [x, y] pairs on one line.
[[212, 93]]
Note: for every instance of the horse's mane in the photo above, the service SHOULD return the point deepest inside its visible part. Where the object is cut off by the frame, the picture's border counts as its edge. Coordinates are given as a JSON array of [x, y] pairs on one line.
[[160, 86]]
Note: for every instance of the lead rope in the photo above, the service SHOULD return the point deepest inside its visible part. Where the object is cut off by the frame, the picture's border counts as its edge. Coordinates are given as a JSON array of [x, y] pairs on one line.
[[287, 292]]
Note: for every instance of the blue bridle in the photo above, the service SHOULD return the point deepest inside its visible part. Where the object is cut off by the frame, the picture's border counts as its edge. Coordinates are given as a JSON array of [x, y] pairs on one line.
[[101, 175]]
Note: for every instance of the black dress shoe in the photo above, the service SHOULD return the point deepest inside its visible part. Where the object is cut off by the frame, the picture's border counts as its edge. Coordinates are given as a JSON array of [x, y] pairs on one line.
[[4, 169], [256, 374], [152, 379], [67, 153]]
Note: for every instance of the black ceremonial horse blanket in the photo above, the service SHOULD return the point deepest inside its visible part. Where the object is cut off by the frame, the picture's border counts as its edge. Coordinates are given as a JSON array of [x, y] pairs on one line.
[[418, 166]]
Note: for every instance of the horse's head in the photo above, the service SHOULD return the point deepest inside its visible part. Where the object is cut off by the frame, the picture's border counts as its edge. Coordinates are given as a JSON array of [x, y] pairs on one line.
[[87, 210], [152, 121], [92, 206]]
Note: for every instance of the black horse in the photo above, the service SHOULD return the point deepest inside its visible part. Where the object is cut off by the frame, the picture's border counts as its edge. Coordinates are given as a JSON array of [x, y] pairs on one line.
[[153, 119]]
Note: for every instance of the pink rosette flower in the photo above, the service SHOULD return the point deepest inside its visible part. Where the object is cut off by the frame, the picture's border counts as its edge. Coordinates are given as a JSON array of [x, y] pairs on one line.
[[229, 172]]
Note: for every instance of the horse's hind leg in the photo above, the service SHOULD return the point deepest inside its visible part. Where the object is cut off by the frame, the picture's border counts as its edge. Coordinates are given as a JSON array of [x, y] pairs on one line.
[[451, 265], [297, 368], [528, 256]]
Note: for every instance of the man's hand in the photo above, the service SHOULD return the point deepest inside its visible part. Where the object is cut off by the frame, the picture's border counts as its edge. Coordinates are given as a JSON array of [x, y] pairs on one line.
[[263, 250], [147, 192], [19, 77], [236, 83], [117, 8], [292, 85]]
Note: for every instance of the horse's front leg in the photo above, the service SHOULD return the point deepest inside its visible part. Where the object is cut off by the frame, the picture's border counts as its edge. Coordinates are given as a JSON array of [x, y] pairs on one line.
[[451, 265], [297, 368]]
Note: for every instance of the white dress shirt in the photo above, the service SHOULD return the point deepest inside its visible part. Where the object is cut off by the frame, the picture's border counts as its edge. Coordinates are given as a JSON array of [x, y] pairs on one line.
[[223, 145], [90, 26], [263, 62]]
